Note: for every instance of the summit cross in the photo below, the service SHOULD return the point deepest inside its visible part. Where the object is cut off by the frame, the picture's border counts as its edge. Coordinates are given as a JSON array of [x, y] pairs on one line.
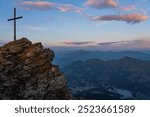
[[14, 19]]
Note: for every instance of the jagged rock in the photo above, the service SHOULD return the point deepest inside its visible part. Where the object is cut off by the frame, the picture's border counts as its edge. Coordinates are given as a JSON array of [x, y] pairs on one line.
[[26, 72]]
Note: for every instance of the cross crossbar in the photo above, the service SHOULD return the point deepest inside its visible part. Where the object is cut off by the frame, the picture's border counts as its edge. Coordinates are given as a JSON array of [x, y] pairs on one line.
[[15, 18]]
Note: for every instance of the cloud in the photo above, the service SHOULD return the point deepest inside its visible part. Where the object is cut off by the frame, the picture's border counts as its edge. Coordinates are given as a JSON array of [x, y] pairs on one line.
[[98, 4], [78, 43], [138, 44], [112, 43], [129, 18], [128, 8], [40, 5], [69, 7], [46, 5], [103, 4]]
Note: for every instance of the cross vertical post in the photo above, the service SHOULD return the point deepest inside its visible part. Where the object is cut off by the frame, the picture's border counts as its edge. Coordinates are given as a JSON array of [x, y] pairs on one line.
[[14, 24], [14, 19]]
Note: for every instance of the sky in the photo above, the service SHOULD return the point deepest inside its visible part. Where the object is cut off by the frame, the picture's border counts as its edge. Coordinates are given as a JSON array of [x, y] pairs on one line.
[[96, 24]]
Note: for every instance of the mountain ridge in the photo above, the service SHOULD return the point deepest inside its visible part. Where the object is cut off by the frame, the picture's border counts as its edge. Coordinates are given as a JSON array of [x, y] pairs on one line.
[[64, 58]]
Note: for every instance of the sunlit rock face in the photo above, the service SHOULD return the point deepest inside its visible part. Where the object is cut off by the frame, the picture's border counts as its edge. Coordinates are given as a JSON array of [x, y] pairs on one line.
[[27, 72]]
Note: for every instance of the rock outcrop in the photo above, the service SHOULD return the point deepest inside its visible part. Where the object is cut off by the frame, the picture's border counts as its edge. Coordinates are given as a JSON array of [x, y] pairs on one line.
[[27, 72]]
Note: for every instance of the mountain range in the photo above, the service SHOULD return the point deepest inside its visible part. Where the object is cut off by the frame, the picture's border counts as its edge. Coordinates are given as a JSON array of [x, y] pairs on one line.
[[66, 57], [106, 74]]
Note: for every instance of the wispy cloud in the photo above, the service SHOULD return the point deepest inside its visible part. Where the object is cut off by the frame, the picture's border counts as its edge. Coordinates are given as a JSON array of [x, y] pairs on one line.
[[46, 5], [78, 43], [69, 7], [40, 5], [137, 44], [128, 8], [101, 3], [112, 43], [129, 18]]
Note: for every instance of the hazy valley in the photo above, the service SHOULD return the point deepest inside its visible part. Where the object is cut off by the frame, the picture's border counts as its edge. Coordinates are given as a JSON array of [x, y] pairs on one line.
[[106, 75]]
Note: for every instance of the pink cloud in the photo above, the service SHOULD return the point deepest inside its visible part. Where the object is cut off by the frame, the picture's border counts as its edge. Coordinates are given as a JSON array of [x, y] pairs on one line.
[[46, 5], [69, 7], [138, 44], [128, 8], [41, 5], [101, 3], [129, 18]]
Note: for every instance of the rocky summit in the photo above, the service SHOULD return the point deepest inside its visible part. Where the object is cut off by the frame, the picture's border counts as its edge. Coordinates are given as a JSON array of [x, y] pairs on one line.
[[27, 72]]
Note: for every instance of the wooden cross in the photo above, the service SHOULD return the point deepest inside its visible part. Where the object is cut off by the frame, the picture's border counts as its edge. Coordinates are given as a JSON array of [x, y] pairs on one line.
[[14, 19]]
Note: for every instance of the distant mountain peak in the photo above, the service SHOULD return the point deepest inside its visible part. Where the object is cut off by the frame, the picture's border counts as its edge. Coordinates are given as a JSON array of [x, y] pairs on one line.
[[126, 58]]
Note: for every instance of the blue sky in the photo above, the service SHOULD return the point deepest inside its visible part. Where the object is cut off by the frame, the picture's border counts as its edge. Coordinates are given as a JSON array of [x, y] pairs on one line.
[[83, 23]]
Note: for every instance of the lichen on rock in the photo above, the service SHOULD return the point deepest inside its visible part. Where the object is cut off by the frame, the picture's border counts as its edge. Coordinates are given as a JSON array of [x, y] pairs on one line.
[[27, 72]]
